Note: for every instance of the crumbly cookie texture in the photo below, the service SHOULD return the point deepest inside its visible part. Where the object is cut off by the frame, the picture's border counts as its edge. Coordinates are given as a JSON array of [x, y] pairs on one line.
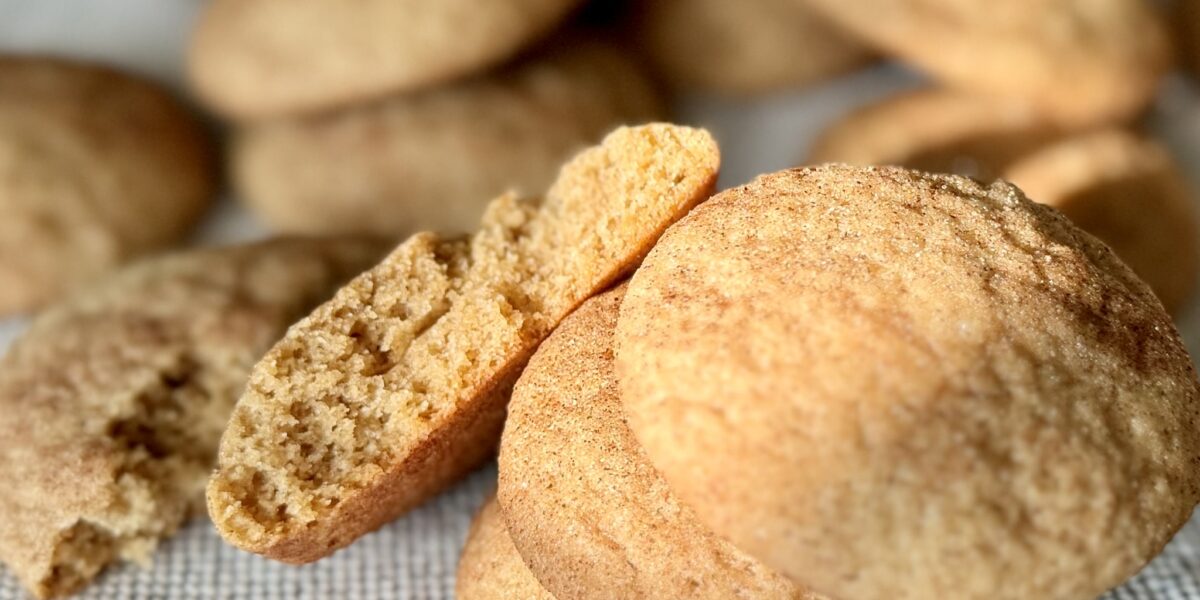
[[891, 384], [260, 58], [937, 130], [96, 167], [583, 504], [397, 386], [490, 567], [432, 160], [1082, 61], [1126, 190], [745, 47], [112, 404]]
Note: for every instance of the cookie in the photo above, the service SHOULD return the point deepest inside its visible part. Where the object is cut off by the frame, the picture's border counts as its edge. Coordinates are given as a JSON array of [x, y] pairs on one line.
[[259, 58], [96, 167], [112, 403], [432, 160], [891, 384], [745, 47], [1126, 190], [585, 508], [395, 388], [936, 130], [490, 568], [1082, 61]]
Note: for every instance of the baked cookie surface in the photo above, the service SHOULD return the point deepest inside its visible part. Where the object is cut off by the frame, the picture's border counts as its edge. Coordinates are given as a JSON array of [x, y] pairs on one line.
[[490, 567], [396, 387], [112, 403], [831, 364], [260, 58], [744, 47], [584, 506], [96, 167], [432, 160], [1126, 190], [1082, 61]]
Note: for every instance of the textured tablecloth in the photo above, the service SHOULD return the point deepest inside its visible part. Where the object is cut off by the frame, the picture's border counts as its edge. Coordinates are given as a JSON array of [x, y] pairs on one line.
[[415, 557]]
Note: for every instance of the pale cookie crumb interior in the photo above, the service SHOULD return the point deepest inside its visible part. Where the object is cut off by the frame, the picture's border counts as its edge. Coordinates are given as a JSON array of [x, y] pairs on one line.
[[162, 442]]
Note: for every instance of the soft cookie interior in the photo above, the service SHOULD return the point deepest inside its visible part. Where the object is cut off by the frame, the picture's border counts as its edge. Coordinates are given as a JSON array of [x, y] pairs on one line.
[[393, 389]]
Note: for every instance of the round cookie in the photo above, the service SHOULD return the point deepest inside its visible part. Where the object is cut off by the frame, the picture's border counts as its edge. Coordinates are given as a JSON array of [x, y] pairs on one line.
[[743, 47], [891, 384], [261, 58], [96, 167], [490, 568], [432, 160], [1083, 61], [585, 508], [1127, 191], [112, 402], [936, 130]]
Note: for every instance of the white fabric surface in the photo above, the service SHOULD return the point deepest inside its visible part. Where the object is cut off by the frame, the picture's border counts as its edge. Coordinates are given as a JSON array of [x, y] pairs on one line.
[[415, 557]]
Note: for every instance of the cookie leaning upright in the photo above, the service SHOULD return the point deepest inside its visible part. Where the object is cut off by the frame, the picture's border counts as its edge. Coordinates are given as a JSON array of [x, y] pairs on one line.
[[113, 402], [257, 58], [96, 167], [584, 506], [397, 386], [1082, 61], [889, 384]]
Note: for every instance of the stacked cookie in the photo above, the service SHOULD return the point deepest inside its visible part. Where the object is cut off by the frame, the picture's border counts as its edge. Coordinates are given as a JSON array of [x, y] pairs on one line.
[[849, 382], [393, 117]]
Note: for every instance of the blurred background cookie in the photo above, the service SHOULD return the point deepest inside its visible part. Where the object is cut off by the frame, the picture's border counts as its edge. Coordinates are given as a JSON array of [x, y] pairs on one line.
[[490, 568], [584, 507], [890, 384], [744, 47], [111, 405], [432, 160], [258, 58], [936, 130], [96, 167], [1126, 190], [1082, 61]]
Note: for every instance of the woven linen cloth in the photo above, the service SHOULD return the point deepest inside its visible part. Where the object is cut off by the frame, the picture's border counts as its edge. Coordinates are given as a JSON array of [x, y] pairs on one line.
[[416, 556]]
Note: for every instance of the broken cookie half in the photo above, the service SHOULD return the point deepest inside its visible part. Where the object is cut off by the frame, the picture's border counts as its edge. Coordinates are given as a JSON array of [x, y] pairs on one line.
[[113, 403], [395, 388]]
